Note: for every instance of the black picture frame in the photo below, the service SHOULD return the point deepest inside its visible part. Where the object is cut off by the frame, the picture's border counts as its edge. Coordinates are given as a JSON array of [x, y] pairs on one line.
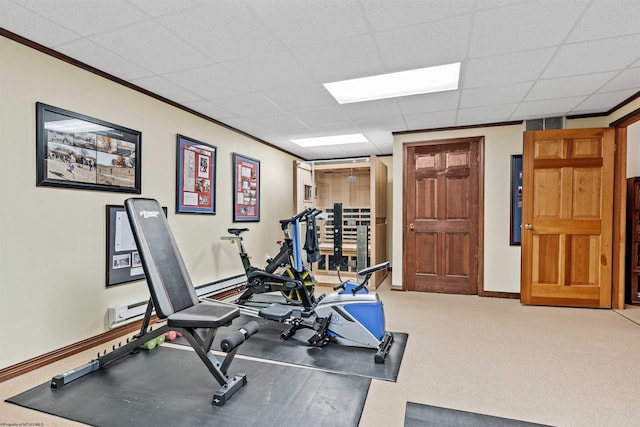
[[246, 189], [195, 176], [515, 222], [82, 152], [123, 262]]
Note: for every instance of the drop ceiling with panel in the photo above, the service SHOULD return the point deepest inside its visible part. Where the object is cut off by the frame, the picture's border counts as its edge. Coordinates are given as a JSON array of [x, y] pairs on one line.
[[259, 65]]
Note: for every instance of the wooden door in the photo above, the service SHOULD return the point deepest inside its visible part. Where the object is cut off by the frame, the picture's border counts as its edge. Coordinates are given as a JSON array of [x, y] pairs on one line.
[[567, 217], [441, 216]]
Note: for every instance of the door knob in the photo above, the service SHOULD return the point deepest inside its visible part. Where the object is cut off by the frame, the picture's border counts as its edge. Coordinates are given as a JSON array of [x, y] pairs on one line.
[[528, 226], [411, 226]]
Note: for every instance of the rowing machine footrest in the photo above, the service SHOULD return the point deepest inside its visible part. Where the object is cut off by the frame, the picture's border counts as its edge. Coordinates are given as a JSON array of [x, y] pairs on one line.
[[383, 348], [277, 312]]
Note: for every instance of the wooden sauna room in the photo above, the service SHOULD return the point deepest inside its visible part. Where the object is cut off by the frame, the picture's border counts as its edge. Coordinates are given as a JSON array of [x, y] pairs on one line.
[[353, 191]]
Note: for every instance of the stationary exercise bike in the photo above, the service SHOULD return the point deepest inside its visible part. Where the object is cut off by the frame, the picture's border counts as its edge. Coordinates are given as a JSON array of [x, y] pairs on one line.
[[285, 272], [350, 316]]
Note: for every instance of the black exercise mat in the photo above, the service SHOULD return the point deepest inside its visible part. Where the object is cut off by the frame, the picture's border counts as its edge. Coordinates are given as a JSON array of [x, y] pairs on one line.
[[418, 415], [172, 387], [267, 344]]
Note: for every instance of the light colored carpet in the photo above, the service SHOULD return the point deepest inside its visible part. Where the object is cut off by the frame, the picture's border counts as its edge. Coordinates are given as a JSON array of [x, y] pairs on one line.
[[549, 365]]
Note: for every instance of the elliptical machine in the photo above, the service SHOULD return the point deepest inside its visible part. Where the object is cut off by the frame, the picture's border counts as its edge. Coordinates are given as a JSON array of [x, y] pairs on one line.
[[285, 272]]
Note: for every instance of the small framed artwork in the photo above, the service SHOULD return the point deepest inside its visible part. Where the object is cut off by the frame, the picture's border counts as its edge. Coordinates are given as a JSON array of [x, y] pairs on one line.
[[81, 152], [516, 200], [246, 189], [123, 260], [195, 176]]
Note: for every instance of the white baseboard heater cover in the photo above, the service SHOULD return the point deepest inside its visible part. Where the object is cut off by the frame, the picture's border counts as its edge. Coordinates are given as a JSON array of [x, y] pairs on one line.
[[123, 314]]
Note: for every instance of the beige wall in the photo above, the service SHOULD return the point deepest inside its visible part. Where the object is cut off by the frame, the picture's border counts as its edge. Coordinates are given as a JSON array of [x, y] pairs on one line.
[[52, 240]]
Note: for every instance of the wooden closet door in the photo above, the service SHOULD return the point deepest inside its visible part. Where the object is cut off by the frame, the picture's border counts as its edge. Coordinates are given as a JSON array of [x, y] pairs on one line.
[[567, 217]]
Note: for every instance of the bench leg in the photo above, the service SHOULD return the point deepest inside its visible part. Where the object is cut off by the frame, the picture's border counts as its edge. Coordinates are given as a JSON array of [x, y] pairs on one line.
[[217, 368]]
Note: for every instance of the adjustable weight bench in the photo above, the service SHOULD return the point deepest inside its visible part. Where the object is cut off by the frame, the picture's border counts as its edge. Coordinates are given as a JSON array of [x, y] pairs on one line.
[[174, 299]]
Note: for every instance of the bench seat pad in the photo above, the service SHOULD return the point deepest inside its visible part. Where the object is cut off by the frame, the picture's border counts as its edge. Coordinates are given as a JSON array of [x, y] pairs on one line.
[[203, 315]]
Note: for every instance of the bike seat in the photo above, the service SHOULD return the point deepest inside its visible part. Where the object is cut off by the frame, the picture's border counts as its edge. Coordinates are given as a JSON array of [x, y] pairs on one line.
[[237, 231]]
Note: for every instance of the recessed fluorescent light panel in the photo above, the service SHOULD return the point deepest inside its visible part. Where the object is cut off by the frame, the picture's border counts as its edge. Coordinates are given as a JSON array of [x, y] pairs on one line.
[[330, 140], [403, 83]]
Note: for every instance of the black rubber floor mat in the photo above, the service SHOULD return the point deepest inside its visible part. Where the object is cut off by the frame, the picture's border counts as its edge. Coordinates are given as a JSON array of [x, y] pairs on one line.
[[418, 415], [171, 387], [267, 344]]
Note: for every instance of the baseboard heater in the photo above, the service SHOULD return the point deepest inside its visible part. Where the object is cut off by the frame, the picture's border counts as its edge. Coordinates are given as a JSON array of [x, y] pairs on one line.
[[122, 314]]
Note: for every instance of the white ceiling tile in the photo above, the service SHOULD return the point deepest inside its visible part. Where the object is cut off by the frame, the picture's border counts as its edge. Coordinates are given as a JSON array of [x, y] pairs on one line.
[[321, 115], [489, 4], [162, 7], [333, 128], [98, 57], [167, 89], [301, 97], [505, 69], [372, 109], [593, 57], [381, 139], [223, 30], [602, 102], [320, 153], [488, 96], [523, 26], [357, 56], [275, 70], [209, 109], [152, 46], [384, 147], [283, 123], [210, 82], [429, 102], [390, 123], [33, 26], [358, 150], [568, 86], [485, 114], [603, 19], [246, 126], [628, 79], [383, 15], [431, 120], [300, 23], [327, 152], [231, 58], [546, 108], [424, 45], [248, 104], [88, 17]]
